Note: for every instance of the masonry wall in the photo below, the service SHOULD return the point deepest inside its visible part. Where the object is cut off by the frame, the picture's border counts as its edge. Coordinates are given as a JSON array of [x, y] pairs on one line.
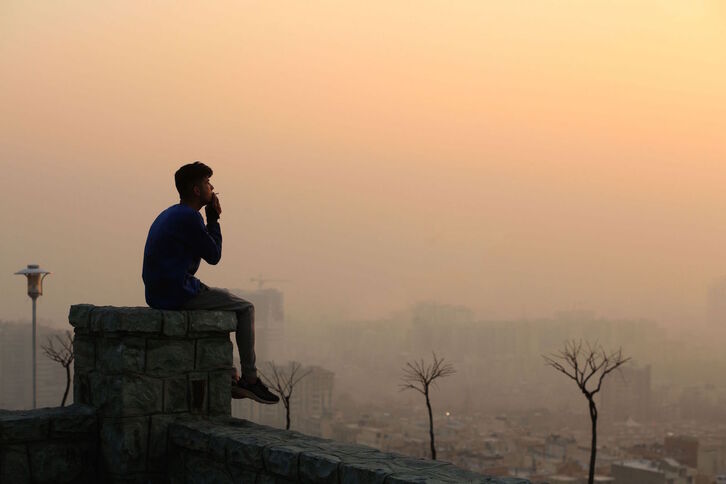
[[49, 445], [142, 368], [153, 393], [228, 450]]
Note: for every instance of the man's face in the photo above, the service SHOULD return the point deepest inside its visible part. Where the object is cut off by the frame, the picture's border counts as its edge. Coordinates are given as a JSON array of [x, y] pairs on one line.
[[205, 190]]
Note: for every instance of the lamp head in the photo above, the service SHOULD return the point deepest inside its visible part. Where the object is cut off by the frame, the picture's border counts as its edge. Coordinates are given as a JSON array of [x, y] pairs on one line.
[[35, 277]]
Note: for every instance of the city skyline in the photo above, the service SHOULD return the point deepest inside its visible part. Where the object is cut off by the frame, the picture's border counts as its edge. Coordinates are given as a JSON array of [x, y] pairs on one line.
[[513, 160]]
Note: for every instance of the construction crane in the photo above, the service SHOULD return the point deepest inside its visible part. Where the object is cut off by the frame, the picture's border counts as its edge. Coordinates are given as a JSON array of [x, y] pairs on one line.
[[261, 281]]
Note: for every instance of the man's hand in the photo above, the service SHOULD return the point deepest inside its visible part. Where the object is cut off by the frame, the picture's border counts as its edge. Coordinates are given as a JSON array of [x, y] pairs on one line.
[[213, 208], [216, 205]]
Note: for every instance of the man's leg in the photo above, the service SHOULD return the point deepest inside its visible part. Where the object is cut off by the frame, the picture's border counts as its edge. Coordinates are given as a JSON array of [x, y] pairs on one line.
[[249, 386], [212, 298], [245, 337]]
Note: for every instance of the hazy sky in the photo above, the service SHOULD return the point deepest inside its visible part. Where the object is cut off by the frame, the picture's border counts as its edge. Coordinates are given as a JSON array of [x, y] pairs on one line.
[[517, 157]]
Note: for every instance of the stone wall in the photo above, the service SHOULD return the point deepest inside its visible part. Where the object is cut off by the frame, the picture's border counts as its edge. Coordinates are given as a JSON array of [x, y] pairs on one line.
[[142, 368], [228, 450], [49, 445], [153, 406]]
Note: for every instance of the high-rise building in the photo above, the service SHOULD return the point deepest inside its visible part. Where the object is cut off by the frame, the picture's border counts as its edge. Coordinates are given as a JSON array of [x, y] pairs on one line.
[[269, 320], [311, 402], [626, 393]]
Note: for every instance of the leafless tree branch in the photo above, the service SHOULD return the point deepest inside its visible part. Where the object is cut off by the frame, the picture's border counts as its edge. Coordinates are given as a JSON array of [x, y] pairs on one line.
[[64, 355], [283, 381], [585, 364], [419, 376]]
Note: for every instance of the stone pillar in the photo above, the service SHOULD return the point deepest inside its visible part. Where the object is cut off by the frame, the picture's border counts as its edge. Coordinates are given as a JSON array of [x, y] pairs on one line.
[[143, 368]]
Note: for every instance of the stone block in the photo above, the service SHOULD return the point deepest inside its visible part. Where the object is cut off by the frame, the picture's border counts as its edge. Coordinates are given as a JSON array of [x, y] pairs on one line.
[[282, 460], [117, 355], [176, 394], [265, 478], [79, 316], [158, 441], [214, 353], [188, 437], [124, 444], [212, 321], [200, 470], [14, 464], [24, 426], [84, 350], [74, 420], [175, 458], [175, 323], [81, 387], [218, 438], [136, 478], [126, 395], [198, 393], [243, 476], [60, 462], [220, 397], [415, 479], [167, 357], [364, 471], [119, 320], [318, 467], [245, 452]]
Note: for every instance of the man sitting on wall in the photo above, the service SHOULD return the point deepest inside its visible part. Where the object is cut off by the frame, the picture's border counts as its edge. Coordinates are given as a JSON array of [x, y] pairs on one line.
[[177, 241]]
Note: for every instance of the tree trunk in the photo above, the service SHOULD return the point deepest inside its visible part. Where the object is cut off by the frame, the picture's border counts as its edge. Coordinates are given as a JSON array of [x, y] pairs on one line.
[[431, 427], [68, 385], [287, 413], [593, 445]]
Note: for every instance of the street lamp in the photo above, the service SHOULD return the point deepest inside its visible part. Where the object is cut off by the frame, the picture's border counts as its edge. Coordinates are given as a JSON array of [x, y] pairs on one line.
[[35, 277]]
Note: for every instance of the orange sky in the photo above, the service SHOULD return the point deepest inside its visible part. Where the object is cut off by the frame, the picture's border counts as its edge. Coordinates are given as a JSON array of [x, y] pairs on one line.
[[516, 157]]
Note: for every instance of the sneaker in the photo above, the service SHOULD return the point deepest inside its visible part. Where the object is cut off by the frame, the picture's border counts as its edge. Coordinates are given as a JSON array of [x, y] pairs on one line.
[[257, 391]]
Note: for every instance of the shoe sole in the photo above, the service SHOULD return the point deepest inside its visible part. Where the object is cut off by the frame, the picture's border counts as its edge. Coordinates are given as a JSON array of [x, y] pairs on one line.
[[239, 393]]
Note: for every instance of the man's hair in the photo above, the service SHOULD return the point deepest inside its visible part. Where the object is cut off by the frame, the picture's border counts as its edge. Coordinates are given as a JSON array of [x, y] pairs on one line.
[[189, 175]]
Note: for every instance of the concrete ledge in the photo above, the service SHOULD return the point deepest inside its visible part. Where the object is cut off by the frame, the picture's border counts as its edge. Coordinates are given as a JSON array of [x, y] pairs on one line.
[[230, 450]]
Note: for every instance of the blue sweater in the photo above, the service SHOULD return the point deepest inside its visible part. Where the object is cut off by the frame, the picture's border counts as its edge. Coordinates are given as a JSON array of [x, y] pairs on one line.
[[176, 243]]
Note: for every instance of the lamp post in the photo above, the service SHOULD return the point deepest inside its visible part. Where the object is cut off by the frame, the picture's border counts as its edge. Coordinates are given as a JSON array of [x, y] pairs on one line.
[[35, 277]]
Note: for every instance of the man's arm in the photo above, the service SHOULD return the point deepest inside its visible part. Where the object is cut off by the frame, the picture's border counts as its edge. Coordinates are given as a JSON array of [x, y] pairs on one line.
[[206, 241]]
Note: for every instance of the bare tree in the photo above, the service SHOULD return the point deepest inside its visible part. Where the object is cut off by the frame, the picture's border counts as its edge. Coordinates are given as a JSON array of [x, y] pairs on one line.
[[282, 381], [587, 366], [419, 376], [63, 355]]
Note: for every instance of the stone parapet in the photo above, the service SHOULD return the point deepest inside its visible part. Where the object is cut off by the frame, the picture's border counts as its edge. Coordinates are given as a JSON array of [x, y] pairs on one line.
[[49, 445], [228, 450], [141, 368], [152, 391]]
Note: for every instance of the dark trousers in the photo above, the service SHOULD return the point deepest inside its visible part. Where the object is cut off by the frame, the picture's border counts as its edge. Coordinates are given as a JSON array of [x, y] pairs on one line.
[[215, 298]]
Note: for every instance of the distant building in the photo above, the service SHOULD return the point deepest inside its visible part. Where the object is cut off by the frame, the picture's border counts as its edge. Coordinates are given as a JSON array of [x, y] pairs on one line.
[[712, 456], [269, 320], [431, 324], [311, 405], [558, 447], [682, 448], [626, 393], [664, 471]]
